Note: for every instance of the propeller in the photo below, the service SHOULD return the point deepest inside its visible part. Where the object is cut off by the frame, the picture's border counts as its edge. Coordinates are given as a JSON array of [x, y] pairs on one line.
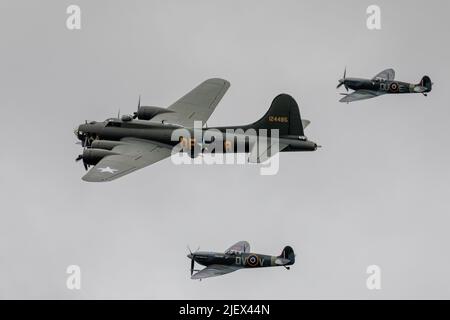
[[192, 266], [84, 144], [80, 157], [135, 114], [192, 259], [342, 81]]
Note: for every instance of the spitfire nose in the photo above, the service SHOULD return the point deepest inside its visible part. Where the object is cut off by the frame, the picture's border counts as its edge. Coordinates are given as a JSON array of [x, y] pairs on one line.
[[341, 83]]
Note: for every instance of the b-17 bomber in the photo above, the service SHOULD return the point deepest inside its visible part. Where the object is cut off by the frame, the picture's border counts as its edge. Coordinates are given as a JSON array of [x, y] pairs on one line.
[[118, 146], [383, 83], [238, 256]]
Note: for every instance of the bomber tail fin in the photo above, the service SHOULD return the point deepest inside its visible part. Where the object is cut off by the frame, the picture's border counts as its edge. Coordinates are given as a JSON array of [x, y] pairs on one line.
[[283, 115]]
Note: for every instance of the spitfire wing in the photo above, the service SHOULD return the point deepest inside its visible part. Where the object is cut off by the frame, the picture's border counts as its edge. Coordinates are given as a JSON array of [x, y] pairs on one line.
[[214, 271], [388, 74], [241, 246], [360, 95], [197, 105], [134, 154]]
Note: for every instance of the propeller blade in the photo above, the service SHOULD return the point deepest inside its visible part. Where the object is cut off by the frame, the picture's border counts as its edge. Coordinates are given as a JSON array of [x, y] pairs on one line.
[[85, 165], [135, 114], [192, 266], [342, 81]]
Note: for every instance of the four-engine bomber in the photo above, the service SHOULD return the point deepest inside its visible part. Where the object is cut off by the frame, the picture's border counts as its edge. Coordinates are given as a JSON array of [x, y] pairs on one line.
[[118, 146]]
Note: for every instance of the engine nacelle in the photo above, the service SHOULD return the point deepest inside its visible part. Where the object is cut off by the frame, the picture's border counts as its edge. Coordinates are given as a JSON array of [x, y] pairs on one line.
[[93, 156], [147, 113], [191, 147], [105, 144]]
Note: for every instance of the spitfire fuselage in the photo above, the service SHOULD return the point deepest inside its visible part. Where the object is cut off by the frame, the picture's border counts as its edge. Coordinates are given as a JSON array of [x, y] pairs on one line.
[[239, 259], [383, 85]]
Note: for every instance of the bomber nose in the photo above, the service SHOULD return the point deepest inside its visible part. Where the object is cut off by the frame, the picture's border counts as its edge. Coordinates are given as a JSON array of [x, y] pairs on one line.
[[79, 133]]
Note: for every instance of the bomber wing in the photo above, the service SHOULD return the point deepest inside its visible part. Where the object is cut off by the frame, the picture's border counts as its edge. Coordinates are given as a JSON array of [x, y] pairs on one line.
[[214, 271], [360, 95], [197, 105], [388, 74], [134, 154]]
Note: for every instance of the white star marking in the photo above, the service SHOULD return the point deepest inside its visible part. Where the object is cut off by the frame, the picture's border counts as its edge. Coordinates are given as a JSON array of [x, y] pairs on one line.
[[107, 169]]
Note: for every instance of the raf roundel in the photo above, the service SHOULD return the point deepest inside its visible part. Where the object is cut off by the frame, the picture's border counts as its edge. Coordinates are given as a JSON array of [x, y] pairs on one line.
[[252, 261], [394, 86]]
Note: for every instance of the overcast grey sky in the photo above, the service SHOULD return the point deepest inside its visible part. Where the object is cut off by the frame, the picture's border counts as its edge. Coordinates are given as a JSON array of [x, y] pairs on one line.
[[376, 193]]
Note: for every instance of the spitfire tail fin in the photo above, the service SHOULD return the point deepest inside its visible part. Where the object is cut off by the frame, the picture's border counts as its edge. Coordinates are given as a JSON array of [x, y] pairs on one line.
[[426, 82], [283, 115], [288, 253]]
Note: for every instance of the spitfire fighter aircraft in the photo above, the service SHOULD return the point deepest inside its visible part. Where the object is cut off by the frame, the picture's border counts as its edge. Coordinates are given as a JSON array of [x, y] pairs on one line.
[[119, 146], [236, 257], [381, 84]]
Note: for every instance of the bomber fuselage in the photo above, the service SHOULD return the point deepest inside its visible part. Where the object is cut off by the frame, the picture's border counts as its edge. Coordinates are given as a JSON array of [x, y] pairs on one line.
[[169, 134]]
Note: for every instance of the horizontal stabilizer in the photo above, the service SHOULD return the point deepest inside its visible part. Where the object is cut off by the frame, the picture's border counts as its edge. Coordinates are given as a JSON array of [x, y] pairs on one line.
[[265, 149]]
